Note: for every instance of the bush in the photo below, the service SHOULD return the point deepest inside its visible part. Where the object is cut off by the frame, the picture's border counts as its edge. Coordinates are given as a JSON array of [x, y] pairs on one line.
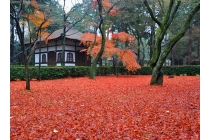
[[18, 72], [184, 70]]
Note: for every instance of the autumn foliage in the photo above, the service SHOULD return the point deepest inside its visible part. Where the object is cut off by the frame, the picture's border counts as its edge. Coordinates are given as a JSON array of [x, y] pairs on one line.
[[106, 6], [126, 56], [38, 18], [123, 107]]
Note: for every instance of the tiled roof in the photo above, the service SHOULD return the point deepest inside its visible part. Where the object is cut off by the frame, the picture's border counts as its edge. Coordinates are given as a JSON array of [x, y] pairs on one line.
[[71, 34]]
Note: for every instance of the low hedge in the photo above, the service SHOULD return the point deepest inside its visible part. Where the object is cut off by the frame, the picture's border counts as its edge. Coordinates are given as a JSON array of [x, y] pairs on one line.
[[182, 70], [18, 72]]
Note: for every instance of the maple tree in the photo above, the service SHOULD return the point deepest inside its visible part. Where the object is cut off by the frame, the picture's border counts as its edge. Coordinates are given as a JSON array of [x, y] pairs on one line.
[[39, 20], [81, 108], [99, 46], [126, 56]]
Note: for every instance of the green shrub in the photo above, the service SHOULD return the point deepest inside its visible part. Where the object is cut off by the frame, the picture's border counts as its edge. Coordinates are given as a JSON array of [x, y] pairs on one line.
[[178, 70], [18, 72]]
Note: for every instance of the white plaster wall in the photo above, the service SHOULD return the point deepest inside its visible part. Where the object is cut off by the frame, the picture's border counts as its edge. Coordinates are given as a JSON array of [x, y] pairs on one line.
[[69, 64], [70, 48], [59, 47], [36, 58], [51, 48], [42, 50], [58, 64], [41, 64]]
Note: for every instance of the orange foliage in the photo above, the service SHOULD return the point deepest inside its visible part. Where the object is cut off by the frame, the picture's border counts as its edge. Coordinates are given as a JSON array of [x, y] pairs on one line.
[[127, 57], [122, 36], [88, 39], [36, 7], [114, 12], [37, 18], [23, 22], [94, 4], [45, 34], [110, 49], [106, 6]]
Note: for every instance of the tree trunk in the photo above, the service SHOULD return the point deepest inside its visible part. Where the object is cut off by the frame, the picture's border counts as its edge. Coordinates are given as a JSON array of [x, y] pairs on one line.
[[143, 56], [138, 51], [102, 28], [157, 75], [63, 37], [38, 78], [152, 35], [93, 69], [27, 76], [172, 58], [190, 46], [152, 40], [63, 49], [12, 42], [114, 66]]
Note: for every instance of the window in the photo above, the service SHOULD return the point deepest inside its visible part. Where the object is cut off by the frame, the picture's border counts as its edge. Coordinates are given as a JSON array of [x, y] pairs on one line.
[[70, 57], [44, 58], [59, 57]]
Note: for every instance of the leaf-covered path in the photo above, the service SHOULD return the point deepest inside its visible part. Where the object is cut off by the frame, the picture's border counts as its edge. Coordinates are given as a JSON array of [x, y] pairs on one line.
[[111, 108]]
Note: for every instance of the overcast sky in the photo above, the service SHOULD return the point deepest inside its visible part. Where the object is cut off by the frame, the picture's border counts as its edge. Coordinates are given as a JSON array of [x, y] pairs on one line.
[[69, 3]]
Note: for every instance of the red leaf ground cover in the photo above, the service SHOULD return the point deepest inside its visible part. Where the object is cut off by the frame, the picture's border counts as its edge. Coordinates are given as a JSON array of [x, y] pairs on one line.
[[114, 108]]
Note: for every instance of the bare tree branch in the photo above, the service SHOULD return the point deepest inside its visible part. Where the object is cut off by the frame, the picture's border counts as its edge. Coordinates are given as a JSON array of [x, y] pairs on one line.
[[151, 13], [161, 6], [173, 14]]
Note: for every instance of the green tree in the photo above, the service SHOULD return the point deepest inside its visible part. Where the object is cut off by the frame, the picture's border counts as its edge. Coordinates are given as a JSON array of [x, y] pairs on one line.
[[159, 56], [187, 48], [88, 21]]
